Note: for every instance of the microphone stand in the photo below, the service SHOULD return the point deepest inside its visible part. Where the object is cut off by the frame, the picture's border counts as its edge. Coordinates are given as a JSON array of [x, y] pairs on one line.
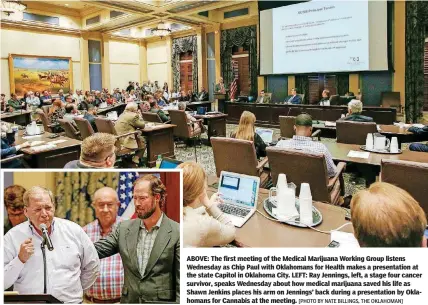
[[44, 265]]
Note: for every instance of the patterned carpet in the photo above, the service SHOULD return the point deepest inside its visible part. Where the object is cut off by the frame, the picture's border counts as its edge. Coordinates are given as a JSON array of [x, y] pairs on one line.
[[205, 156]]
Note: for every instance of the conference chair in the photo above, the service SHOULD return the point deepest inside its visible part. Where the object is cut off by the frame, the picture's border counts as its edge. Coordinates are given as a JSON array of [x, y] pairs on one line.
[[84, 127], [70, 130], [307, 167], [151, 117], [286, 126], [408, 175], [46, 108], [335, 100], [184, 128], [106, 125], [46, 122], [390, 99], [238, 156], [303, 98], [348, 132]]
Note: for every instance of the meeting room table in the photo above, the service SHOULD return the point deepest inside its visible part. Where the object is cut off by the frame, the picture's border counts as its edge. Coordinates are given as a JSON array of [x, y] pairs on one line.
[[216, 124], [64, 149], [259, 231], [19, 117], [159, 140]]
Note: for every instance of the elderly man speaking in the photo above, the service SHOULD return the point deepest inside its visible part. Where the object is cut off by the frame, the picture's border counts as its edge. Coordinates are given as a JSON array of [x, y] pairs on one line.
[[72, 266]]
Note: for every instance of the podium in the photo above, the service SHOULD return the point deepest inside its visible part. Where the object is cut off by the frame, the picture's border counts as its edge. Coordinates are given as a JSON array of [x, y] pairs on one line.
[[30, 298], [221, 97]]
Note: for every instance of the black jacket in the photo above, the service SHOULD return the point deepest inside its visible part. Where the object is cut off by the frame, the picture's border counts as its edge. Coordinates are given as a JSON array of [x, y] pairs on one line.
[[358, 118], [259, 145], [203, 96]]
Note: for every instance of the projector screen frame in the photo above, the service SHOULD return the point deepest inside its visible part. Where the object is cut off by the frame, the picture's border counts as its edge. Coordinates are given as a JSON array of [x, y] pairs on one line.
[[274, 4]]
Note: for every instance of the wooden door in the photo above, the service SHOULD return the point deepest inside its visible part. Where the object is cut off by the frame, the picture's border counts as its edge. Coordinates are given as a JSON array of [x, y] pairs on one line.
[[186, 71], [241, 60]]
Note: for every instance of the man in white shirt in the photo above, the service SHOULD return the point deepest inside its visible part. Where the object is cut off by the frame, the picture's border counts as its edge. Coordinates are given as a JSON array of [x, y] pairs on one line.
[[72, 266]]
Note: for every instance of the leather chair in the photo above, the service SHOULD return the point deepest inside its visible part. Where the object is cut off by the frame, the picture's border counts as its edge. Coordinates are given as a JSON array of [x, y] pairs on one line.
[[183, 129], [391, 99], [354, 132], [238, 156], [70, 130], [307, 167], [286, 125], [46, 108], [410, 176], [335, 100], [303, 98], [84, 127], [45, 121], [151, 117]]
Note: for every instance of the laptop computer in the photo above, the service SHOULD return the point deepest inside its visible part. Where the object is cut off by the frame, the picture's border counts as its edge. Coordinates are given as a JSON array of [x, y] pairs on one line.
[[265, 134], [169, 163], [239, 194]]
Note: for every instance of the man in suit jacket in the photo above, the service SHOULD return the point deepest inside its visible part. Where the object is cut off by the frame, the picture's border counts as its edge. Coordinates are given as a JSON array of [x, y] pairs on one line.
[[149, 247], [262, 98], [220, 87], [203, 95], [294, 98], [355, 107]]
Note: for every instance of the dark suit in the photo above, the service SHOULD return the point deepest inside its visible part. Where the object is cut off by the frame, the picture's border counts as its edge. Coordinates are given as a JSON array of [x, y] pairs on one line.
[[297, 99], [358, 118], [266, 99], [161, 114], [161, 279], [203, 96]]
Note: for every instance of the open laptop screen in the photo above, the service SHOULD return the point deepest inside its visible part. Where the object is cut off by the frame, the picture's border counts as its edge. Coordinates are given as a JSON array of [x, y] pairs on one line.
[[168, 163], [239, 189], [265, 134]]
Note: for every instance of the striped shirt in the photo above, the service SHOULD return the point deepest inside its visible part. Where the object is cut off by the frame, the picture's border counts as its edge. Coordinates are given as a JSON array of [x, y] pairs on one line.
[[108, 285], [306, 144], [146, 240]]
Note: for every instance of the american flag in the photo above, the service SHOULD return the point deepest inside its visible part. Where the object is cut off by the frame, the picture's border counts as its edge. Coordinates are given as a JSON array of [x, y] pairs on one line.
[[124, 191], [233, 88]]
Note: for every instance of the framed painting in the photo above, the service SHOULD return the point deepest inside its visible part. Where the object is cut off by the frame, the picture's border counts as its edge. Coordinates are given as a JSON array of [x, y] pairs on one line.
[[39, 73]]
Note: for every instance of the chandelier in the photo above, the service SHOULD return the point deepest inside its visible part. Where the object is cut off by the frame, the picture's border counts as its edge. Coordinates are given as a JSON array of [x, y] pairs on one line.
[[12, 6], [161, 30]]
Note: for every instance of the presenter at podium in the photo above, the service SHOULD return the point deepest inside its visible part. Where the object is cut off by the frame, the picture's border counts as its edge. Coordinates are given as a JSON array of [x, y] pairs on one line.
[[220, 88], [294, 98], [71, 266]]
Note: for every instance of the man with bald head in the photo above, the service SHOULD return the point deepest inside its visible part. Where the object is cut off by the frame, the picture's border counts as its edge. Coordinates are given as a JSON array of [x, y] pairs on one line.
[[303, 141], [108, 286]]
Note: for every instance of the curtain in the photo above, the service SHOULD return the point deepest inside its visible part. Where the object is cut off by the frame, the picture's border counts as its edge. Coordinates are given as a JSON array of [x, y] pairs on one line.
[[416, 23], [302, 86], [239, 37], [180, 45], [342, 83], [74, 192]]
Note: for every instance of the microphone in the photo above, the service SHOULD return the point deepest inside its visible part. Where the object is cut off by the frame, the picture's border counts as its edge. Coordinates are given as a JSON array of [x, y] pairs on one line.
[[46, 238]]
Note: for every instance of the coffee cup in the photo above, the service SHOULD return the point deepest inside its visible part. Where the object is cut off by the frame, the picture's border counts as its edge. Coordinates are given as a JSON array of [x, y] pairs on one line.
[[381, 143], [394, 145]]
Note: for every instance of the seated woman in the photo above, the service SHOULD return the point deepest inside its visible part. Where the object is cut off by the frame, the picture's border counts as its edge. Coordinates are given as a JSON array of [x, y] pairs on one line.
[[387, 216], [204, 224], [198, 126], [8, 150], [246, 131], [56, 112]]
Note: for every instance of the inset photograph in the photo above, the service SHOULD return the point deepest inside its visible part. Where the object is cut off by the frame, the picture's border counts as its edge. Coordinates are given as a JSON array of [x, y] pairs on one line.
[[92, 237]]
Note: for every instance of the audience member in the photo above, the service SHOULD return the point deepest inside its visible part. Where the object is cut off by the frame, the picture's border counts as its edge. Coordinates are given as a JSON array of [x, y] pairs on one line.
[[165, 87], [96, 151], [32, 100], [69, 99], [117, 95], [246, 131], [196, 126], [56, 112], [61, 95], [70, 112], [130, 87], [355, 108], [108, 286], [204, 224], [203, 95], [8, 149], [183, 97], [98, 99], [90, 116], [46, 98], [154, 108], [294, 98], [145, 106], [386, 216], [263, 98], [14, 103], [158, 98], [325, 100], [37, 94], [303, 141], [14, 204]]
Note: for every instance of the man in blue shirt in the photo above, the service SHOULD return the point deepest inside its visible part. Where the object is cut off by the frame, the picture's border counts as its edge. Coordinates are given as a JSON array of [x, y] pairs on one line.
[[294, 98]]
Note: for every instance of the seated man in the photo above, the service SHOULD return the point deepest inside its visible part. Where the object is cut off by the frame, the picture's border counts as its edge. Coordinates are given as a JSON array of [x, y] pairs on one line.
[[355, 107], [294, 98], [90, 116], [419, 146], [46, 98], [14, 103], [262, 98], [325, 100], [303, 141], [203, 95], [61, 95], [96, 151], [154, 108], [14, 203], [8, 149], [70, 113], [387, 216]]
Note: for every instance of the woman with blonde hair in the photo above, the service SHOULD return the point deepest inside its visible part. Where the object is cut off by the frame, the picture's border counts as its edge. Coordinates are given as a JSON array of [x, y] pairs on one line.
[[204, 224], [387, 216], [247, 131]]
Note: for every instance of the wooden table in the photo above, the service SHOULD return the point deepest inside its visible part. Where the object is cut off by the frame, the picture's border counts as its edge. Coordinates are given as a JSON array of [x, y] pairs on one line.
[[160, 141], [18, 117], [54, 158], [119, 108], [216, 124], [195, 105], [261, 232]]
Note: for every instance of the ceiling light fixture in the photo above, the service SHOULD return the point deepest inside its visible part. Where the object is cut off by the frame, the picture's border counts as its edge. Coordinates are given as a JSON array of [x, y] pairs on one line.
[[161, 30], [12, 6]]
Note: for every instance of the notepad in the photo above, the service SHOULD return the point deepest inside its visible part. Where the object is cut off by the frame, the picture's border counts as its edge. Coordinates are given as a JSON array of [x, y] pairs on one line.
[[358, 154], [31, 137], [329, 124], [57, 142], [345, 240], [35, 143], [43, 147]]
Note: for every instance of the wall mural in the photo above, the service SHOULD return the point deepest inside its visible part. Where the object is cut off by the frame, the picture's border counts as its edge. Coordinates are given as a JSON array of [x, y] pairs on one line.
[[39, 73]]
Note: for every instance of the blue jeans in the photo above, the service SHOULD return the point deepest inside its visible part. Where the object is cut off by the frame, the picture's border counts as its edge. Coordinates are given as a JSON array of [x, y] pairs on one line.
[[419, 147]]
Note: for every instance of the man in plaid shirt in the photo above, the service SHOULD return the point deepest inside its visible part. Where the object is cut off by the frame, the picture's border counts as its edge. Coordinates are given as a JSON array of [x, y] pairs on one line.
[[108, 286], [303, 141]]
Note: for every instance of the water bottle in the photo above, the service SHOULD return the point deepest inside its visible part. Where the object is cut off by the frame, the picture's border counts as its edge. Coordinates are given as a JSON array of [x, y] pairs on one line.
[[159, 161]]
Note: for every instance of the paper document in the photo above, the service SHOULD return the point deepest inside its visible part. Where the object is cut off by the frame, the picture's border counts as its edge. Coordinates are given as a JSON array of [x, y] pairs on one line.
[[31, 137], [265, 134], [329, 124], [418, 125], [35, 143], [358, 154], [345, 240], [42, 147], [57, 142]]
